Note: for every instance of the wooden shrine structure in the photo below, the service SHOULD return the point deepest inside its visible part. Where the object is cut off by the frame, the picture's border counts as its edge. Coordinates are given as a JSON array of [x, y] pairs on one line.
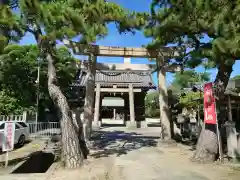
[[116, 89]]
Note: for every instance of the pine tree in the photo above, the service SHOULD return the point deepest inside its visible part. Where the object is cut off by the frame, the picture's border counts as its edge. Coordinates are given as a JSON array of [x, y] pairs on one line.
[[9, 28], [184, 22], [50, 21], [187, 79]]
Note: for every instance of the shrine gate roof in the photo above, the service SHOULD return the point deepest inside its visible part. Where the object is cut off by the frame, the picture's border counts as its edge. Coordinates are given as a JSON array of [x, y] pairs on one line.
[[121, 78]]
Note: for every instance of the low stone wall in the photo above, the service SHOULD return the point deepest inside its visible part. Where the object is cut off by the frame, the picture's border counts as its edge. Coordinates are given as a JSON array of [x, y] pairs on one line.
[[152, 120], [111, 121]]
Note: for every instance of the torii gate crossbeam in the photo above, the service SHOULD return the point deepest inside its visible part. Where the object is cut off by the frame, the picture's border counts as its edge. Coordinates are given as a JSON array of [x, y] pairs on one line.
[[115, 51]]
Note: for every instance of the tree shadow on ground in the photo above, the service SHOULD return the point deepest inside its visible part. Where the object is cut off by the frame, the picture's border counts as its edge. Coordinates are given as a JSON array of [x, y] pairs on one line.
[[186, 141], [13, 162], [108, 143], [38, 162]]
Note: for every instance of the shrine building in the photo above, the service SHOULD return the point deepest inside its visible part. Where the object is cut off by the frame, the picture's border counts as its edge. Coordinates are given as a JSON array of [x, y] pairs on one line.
[[120, 91]]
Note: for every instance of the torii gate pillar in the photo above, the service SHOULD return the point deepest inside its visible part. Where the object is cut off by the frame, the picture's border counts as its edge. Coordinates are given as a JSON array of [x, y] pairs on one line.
[[163, 101]]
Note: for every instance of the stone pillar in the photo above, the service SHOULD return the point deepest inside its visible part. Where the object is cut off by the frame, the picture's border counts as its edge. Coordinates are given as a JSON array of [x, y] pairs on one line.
[[232, 142], [238, 136], [132, 122], [89, 97], [231, 133], [114, 113], [131, 103], [96, 122], [238, 117], [163, 100], [229, 107], [143, 121]]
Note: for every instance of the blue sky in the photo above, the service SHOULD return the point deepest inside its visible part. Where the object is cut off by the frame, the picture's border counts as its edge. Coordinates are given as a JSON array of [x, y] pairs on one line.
[[136, 40]]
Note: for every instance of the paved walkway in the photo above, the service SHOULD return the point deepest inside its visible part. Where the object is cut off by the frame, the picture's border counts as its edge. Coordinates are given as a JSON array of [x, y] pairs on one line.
[[134, 156], [121, 155]]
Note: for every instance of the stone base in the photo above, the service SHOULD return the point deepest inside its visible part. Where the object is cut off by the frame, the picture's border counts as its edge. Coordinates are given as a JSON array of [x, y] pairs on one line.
[[131, 124], [96, 125], [232, 141], [143, 124]]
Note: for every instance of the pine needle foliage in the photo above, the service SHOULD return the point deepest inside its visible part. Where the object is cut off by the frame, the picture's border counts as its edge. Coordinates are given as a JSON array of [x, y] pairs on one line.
[[185, 22], [65, 19]]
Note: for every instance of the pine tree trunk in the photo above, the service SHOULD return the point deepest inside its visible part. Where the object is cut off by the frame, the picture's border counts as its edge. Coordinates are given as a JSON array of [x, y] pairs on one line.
[[207, 145], [78, 124], [72, 154], [72, 150]]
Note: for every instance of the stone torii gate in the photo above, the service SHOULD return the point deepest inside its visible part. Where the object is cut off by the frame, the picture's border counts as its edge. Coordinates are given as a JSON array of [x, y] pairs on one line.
[[162, 66]]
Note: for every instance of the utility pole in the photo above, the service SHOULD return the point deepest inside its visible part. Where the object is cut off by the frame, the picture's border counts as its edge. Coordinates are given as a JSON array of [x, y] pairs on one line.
[[37, 93]]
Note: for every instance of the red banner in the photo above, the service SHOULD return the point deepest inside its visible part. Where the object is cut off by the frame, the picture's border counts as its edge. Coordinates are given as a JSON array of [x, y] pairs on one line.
[[210, 116], [8, 136]]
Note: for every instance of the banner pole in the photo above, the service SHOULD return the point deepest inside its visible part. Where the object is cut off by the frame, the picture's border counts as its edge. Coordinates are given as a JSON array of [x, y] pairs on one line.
[[219, 138], [218, 132], [6, 160]]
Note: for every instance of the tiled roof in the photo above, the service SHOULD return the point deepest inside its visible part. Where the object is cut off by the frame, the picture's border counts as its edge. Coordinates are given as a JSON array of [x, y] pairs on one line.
[[120, 78]]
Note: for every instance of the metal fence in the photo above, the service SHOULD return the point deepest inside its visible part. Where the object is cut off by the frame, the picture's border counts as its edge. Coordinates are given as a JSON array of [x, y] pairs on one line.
[[44, 129], [20, 117]]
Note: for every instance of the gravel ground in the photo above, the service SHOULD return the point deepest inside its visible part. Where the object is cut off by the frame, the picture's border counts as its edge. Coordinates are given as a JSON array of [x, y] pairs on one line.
[[126, 155]]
